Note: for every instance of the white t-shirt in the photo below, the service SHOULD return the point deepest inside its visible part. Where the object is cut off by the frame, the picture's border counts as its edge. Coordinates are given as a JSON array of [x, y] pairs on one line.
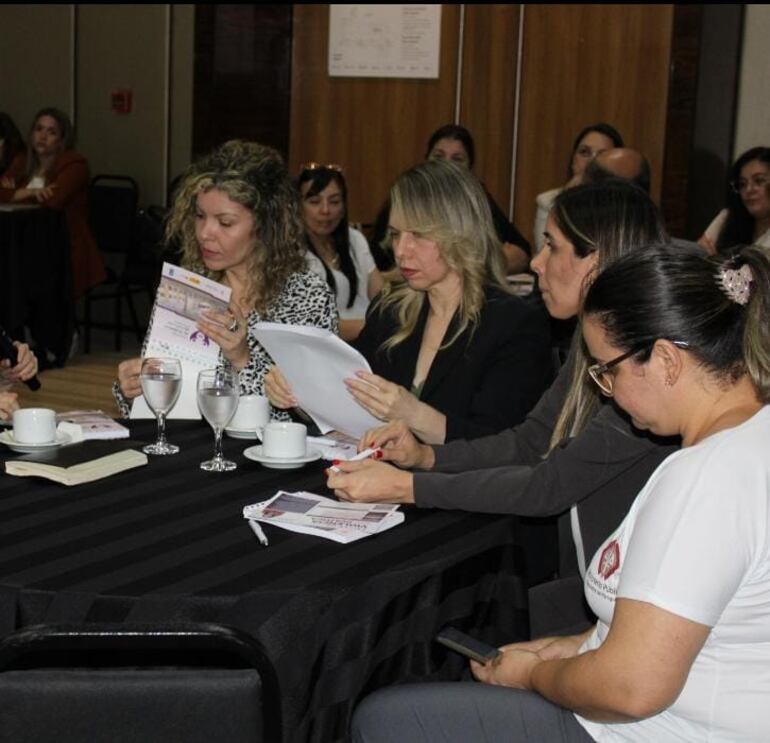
[[696, 543], [364, 264], [713, 230]]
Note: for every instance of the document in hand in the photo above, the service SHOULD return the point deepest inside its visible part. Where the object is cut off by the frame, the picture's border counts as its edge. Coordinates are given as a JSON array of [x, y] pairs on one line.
[[79, 463], [182, 296], [315, 362], [308, 513]]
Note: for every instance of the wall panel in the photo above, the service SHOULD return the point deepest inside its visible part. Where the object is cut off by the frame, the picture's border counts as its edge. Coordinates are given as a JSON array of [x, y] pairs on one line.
[[35, 60], [488, 93], [375, 128], [582, 64], [124, 46]]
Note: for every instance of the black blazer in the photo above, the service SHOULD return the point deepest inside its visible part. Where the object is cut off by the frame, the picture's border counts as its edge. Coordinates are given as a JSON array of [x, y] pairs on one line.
[[487, 380]]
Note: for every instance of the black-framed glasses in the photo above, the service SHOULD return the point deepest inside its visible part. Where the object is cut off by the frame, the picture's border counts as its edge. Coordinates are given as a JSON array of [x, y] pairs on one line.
[[759, 180], [320, 166], [605, 381]]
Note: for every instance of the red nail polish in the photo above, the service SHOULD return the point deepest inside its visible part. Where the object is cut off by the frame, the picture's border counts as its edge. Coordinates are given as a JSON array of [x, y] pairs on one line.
[[378, 454], [371, 446], [335, 462]]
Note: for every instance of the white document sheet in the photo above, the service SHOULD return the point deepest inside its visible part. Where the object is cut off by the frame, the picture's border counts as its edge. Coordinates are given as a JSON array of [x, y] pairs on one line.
[[182, 296], [315, 362]]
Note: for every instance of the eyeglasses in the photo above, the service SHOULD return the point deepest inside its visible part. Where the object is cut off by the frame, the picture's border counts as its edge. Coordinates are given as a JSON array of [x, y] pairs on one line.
[[604, 381], [320, 166], [760, 181]]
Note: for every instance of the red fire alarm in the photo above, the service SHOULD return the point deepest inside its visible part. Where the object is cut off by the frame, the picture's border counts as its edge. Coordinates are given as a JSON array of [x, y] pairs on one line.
[[121, 100]]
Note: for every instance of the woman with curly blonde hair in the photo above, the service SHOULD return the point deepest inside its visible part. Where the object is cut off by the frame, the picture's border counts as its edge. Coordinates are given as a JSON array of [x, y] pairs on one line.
[[454, 353], [237, 221]]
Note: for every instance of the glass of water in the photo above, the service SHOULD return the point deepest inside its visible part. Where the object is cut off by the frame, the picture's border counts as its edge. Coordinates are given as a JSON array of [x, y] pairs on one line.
[[217, 400], [161, 381]]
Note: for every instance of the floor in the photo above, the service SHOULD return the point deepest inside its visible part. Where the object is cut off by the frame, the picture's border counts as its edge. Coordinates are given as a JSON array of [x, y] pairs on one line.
[[85, 382]]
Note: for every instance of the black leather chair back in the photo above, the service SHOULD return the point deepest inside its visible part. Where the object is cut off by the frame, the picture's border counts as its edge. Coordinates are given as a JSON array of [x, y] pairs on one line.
[[123, 683]]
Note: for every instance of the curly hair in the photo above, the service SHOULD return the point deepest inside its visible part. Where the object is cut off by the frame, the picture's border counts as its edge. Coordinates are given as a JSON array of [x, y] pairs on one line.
[[445, 203], [256, 177]]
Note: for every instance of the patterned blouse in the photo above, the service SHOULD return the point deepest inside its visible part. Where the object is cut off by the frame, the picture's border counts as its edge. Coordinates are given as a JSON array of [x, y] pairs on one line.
[[306, 299]]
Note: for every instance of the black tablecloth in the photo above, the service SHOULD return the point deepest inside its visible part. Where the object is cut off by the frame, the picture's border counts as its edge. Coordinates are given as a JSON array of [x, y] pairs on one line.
[[35, 270], [167, 542]]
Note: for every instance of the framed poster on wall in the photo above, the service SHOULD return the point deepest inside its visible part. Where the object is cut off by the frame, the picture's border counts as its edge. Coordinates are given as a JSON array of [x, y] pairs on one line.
[[384, 41]]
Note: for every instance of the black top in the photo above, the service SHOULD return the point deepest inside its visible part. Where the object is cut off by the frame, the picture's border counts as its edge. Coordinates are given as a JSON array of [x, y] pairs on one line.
[[487, 380], [383, 257]]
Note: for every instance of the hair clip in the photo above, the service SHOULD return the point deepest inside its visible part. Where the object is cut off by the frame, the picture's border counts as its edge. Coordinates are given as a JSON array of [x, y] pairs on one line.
[[736, 283]]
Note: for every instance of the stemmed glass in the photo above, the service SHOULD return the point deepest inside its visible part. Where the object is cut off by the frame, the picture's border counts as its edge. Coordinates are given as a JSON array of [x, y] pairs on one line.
[[217, 400], [161, 381]]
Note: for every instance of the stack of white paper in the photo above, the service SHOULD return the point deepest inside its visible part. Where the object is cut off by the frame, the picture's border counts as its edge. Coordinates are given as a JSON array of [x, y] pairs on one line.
[[308, 513], [315, 363]]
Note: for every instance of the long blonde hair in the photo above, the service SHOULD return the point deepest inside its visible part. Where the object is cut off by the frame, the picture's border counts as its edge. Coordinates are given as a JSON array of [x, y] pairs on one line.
[[610, 219], [445, 203], [254, 176]]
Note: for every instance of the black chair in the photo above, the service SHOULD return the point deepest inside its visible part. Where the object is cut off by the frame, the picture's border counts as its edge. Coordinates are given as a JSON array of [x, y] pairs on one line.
[[132, 263], [128, 683]]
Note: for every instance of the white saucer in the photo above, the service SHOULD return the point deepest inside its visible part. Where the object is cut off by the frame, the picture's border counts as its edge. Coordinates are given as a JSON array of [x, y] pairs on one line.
[[6, 437], [242, 433], [280, 463]]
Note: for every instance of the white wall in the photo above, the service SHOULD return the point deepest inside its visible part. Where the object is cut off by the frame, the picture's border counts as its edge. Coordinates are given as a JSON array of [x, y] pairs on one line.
[[752, 126]]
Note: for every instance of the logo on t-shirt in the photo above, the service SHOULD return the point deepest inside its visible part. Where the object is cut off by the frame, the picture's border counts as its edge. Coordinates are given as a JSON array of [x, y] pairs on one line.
[[609, 561]]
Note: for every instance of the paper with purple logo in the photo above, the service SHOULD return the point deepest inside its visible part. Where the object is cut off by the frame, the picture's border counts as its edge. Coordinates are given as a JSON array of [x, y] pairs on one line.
[[181, 298]]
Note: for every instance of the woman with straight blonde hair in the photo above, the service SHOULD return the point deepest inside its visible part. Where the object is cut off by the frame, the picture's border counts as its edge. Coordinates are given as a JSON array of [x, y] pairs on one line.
[[454, 353], [575, 450]]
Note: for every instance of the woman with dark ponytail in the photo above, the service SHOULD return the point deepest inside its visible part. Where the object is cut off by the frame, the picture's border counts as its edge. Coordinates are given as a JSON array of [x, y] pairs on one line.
[[681, 589]]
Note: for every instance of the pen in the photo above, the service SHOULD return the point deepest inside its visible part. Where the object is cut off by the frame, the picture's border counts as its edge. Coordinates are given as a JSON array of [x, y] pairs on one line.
[[257, 529], [365, 454]]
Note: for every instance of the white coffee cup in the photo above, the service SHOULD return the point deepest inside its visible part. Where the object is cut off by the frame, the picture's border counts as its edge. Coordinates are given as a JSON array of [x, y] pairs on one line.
[[34, 426], [282, 440], [252, 413]]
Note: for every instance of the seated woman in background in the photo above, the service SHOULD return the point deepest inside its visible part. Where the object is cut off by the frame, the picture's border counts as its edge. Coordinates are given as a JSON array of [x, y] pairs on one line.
[[746, 220], [455, 143], [236, 218], [11, 146], [24, 368], [575, 449], [454, 353], [336, 252], [588, 144], [56, 177], [681, 588]]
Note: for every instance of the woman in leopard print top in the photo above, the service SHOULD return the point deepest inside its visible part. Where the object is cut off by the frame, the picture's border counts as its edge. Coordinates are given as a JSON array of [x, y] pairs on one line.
[[237, 220]]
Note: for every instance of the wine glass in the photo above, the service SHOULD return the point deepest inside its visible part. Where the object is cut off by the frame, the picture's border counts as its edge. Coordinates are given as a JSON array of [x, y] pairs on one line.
[[161, 381], [217, 400]]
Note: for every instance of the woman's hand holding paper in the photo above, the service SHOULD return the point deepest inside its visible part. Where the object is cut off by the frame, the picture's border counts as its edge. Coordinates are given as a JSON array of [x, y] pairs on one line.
[[369, 481], [277, 390], [230, 331], [128, 378], [383, 399]]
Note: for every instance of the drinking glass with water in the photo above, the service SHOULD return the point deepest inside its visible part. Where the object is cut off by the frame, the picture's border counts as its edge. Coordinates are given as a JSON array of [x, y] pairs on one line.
[[161, 381], [217, 400]]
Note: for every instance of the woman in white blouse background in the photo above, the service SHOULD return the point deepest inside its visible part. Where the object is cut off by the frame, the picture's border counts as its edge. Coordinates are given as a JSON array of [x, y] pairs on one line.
[[336, 252]]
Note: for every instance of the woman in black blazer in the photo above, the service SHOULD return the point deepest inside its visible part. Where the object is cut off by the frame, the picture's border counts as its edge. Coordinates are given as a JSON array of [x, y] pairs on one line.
[[454, 353]]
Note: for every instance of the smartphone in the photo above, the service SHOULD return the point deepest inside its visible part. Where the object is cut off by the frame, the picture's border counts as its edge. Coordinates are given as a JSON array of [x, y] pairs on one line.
[[468, 646]]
